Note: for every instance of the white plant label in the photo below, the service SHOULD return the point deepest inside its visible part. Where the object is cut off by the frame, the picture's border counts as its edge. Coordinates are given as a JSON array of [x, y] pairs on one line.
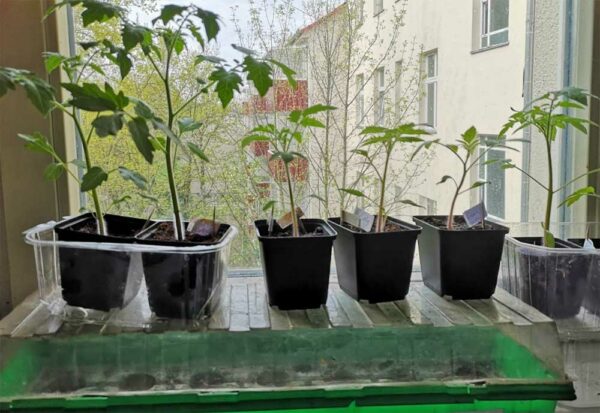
[[475, 215], [286, 220], [350, 218], [588, 244], [365, 220]]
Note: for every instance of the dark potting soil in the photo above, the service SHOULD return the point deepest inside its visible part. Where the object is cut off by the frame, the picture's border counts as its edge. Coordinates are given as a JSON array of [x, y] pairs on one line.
[[137, 382], [212, 377], [389, 227], [287, 232], [166, 232], [459, 223], [91, 227]]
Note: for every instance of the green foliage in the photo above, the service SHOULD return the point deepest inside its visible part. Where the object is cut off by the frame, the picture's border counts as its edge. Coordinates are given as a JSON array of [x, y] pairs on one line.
[[549, 114], [382, 140], [93, 178], [283, 140], [39, 92]]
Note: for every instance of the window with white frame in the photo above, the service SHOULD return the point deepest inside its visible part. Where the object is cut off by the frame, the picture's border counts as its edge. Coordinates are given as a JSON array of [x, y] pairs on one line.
[[377, 7], [430, 98], [490, 170], [494, 22], [380, 96], [360, 99], [398, 89]]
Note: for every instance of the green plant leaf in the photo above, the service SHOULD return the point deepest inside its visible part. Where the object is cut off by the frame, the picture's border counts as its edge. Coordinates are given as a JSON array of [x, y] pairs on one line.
[[38, 91], [90, 97], [169, 12], [79, 163], [312, 122], [549, 239], [93, 178], [311, 110], [353, 192], [52, 61], [286, 157], [210, 21], [135, 177], [409, 202], [244, 50], [270, 204], [108, 124], [206, 58], [98, 11], [259, 73], [478, 184], [54, 171], [577, 195], [142, 109], [196, 150], [295, 116], [133, 35], [254, 138], [373, 129], [140, 133], [188, 125], [159, 125], [227, 82], [37, 143], [574, 93], [445, 178], [287, 72], [470, 135]]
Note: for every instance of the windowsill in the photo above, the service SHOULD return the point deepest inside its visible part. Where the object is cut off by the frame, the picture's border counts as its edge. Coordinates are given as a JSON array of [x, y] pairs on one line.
[[485, 49]]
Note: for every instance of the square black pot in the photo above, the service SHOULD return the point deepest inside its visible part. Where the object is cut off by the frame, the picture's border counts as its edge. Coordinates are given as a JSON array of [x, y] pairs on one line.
[[375, 266], [551, 280], [296, 268], [462, 264], [181, 285], [591, 300], [99, 279]]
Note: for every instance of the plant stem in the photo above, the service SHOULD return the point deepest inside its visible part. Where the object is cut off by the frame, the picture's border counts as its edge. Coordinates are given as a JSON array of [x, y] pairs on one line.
[[179, 233], [295, 225], [88, 166], [450, 224], [550, 194], [380, 213]]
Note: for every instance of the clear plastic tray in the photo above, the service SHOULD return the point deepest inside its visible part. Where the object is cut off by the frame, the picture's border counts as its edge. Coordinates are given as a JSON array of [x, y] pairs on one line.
[[191, 292]]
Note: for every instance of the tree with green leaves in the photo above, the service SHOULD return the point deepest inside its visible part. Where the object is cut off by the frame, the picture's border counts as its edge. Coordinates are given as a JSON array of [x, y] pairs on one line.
[[384, 140], [467, 151], [284, 141], [549, 114]]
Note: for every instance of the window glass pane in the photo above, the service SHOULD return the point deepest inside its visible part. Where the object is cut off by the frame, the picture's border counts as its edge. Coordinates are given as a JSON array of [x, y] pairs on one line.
[[431, 103], [431, 63], [484, 17], [499, 38], [484, 41], [499, 15], [495, 190]]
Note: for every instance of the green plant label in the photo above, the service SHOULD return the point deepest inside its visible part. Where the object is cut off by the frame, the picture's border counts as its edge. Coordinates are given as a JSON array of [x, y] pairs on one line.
[[475, 215]]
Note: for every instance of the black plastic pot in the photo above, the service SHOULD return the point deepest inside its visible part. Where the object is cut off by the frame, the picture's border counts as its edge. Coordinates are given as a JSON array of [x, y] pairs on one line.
[[181, 285], [375, 266], [462, 264], [99, 279], [591, 300], [296, 268]]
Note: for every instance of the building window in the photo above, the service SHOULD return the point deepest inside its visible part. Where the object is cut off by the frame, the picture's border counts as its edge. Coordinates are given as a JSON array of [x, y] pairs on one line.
[[377, 7], [398, 90], [490, 169], [494, 22], [360, 99], [380, 96], [430, 106]]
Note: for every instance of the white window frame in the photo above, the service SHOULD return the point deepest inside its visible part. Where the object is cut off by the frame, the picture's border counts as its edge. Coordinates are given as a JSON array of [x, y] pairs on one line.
[[377, 7], [379, 96], [360, 99], [431, 80], [483, 190], [485, 24], [398, 88]]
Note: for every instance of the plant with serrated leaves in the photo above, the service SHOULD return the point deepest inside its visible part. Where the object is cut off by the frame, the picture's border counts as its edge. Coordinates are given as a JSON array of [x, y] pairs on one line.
[[466, 151], [548, 114], [86, 97], [174, 29], [381, 141], [284, 142]]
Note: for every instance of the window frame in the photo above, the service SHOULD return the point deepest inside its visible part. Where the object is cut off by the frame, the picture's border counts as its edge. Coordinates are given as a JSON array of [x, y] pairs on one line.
[[484, 188], [431, 80], [398, 87], [379, 79], [377, 7], [485, 18], [360, 99]]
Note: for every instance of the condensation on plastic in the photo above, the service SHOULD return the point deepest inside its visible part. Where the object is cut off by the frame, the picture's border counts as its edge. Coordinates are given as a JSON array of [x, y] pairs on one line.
[[137, 312], [578, 326]]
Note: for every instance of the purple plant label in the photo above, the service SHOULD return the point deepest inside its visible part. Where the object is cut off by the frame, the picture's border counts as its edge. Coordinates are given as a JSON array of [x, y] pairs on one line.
[[475, 215], [365, 220]]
